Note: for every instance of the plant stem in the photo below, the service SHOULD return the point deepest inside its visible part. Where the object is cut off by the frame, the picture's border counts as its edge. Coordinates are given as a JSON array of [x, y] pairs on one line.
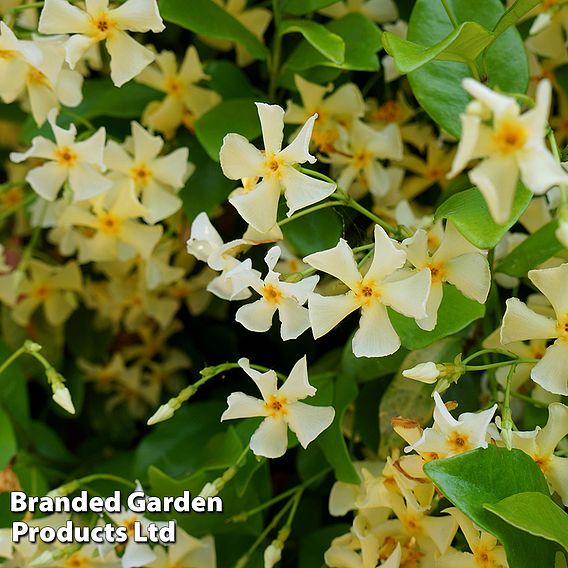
[[276, 51], [450, 14], [484, 351], [500, 364], [13, 358], [309, 210], [528, 399]]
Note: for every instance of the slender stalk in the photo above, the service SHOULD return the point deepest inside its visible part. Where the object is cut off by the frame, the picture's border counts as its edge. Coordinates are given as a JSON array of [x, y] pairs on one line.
[[484, 351], [13, 358], [309, 210], [525, 398], [500, 364], [276, 56], [450, 14]]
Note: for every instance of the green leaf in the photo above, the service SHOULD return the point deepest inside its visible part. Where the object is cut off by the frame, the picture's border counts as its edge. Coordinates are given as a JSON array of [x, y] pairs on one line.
[[456, 312], [330, 45], [301, 7], [8, 444], [469, 213], [534, 250], [314, 545], [226, 79], [208, 175], [319, 230], [407, 398], [234, 115], [364, 369], [534, 513], [484, 477], [338, 392], [516, 11], [505, 62], [209, 19], [362, 40], [463, 44], [14, 391]]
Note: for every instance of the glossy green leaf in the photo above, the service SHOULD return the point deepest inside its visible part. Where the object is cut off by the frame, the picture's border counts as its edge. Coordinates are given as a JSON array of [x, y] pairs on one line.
[[505, 62], [469, 213], [534, 250], [407, 398], [463, 44], [209, 19], [534, 513], [339, 392], [516, 11], [314, 232], [8, 445], [362, 40], [456, 312], [484, 477], [226, 79], [301, 7], [330, 45], [234, 115], [364, 369]]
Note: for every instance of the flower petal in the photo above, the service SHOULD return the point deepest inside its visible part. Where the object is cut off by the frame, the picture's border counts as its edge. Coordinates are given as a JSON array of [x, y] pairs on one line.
[[61, 17], [272, 124], [408, 295], [520, 323], [337, 261], [298, 151], [376, 336], [295, 319], [239, 158], [258, 206], [127, 57], [307, 421], [297, 385], [470, 274], [553, 283], [270, 439], [241, 405], [386, 257], [302, 190], [256, 316], [267, 382], [47, 180], [327, 311], [138, 16], [551, 372]]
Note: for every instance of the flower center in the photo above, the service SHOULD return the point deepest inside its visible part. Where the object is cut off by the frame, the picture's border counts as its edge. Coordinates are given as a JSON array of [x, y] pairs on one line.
[[434, 173], [483, 558], [276, 405], [6, 54], [510, 137], [272, 166], [12, 197], [41, 292], [174, 87], [141, 174], [542, 461], [102, 26], [65, 156], [562, 328], [361, 159], [389, 112], [437, 271], [272, 294], [36, 76], [325, 138], [458, 442], [367, 293], [109, 224], [77, 561], [412, 524], [129, 525]]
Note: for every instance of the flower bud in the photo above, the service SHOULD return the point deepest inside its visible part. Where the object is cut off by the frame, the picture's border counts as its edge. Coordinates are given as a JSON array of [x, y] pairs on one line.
[[62, 397], [423, 372], [165, 412]]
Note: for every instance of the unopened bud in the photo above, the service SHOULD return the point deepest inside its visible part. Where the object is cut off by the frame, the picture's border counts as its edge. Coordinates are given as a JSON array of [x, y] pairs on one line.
[[62, 397]]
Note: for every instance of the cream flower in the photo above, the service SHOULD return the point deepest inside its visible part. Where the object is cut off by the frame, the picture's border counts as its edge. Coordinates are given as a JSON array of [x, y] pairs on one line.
[[455, 261], [424, 372], [362, 155], [513, 143], [281, 409], [53, 287], [206, 245], [448, 436], [101, 23], [258, 205], [79, 163], [380, 11], [335, 111], [485, 550], [521, 323], [185, 101], [372, 292], [157, 179], [187, 551], [254, 19], [115, 233], [286, 298], [541, 443]]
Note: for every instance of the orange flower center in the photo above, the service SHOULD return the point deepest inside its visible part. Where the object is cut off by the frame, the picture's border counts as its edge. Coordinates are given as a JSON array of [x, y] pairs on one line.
[[367, 292], [510, 137], [437, 271], [109, 224], [141, 174], [102, 26], [271, 294], [388, 112], [77, 561], [459, 442], [65, 156], [276, 405]]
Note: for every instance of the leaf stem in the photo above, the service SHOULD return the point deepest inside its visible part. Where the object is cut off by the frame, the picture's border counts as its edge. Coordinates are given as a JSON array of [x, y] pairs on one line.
[[450, 14]]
